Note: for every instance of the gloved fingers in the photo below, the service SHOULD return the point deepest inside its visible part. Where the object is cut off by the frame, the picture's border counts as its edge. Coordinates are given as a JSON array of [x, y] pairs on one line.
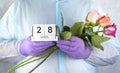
[[85, 53], [35, 50], [71, 44], [74, 49], [81, 52], [64, 48], [64, 42], [74, 39], [87, 50], [67, 47], [40, 48], [67, 50], [43, 43], [67, 43], [74, 44]]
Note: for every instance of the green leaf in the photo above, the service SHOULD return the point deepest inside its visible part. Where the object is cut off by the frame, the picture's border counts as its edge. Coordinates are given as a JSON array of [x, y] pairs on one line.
[[66, 28], [81, 29], [89, 32], [97, 40], [87, 23], [66, 35], [77, 28]]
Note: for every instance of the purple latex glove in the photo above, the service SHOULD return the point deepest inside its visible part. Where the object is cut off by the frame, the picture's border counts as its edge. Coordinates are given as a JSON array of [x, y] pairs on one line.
[[75, 47], [28, 47]]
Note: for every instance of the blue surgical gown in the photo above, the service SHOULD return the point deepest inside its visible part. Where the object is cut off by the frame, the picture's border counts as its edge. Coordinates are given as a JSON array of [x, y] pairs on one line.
[[16, 24]]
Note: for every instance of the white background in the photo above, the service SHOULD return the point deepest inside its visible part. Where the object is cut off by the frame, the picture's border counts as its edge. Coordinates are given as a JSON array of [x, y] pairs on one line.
[[112, 7]]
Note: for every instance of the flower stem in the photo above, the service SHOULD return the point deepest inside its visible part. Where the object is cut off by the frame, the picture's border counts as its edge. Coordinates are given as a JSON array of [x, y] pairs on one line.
[[98, 29], [25, 62], [55, 48]]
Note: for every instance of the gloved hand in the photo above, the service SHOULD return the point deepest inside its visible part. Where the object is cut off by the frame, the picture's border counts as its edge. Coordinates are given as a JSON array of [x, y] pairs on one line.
[[75, 47], [28, 47]]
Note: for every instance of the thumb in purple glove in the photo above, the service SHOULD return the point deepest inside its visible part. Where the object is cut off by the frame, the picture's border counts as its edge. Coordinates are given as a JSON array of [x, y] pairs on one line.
[[28, 47], [75, 47]]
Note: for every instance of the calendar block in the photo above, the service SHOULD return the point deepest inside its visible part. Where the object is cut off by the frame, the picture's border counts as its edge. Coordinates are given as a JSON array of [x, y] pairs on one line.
[[44, 32], [38, 30], [50, 29]]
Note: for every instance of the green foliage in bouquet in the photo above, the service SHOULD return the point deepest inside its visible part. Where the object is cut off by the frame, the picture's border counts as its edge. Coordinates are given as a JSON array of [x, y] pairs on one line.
[[84, 31]]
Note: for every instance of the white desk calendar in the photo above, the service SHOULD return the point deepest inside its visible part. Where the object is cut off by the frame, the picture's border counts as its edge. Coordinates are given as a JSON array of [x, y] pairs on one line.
[[44, 32]]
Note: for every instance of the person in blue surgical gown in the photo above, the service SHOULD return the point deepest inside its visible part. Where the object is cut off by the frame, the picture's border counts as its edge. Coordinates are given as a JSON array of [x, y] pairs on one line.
[[16, 24]]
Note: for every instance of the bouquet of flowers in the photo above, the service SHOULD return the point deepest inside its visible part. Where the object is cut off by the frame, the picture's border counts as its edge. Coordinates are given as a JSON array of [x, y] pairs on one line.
[[94, 31]]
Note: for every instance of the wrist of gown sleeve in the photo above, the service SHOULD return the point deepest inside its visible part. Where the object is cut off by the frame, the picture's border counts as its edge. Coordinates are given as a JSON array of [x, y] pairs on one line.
[[9, 51], [107, 57]]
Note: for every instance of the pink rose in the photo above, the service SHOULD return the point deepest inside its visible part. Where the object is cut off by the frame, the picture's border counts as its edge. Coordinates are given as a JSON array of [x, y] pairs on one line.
[[111, 30], [93, 16]]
